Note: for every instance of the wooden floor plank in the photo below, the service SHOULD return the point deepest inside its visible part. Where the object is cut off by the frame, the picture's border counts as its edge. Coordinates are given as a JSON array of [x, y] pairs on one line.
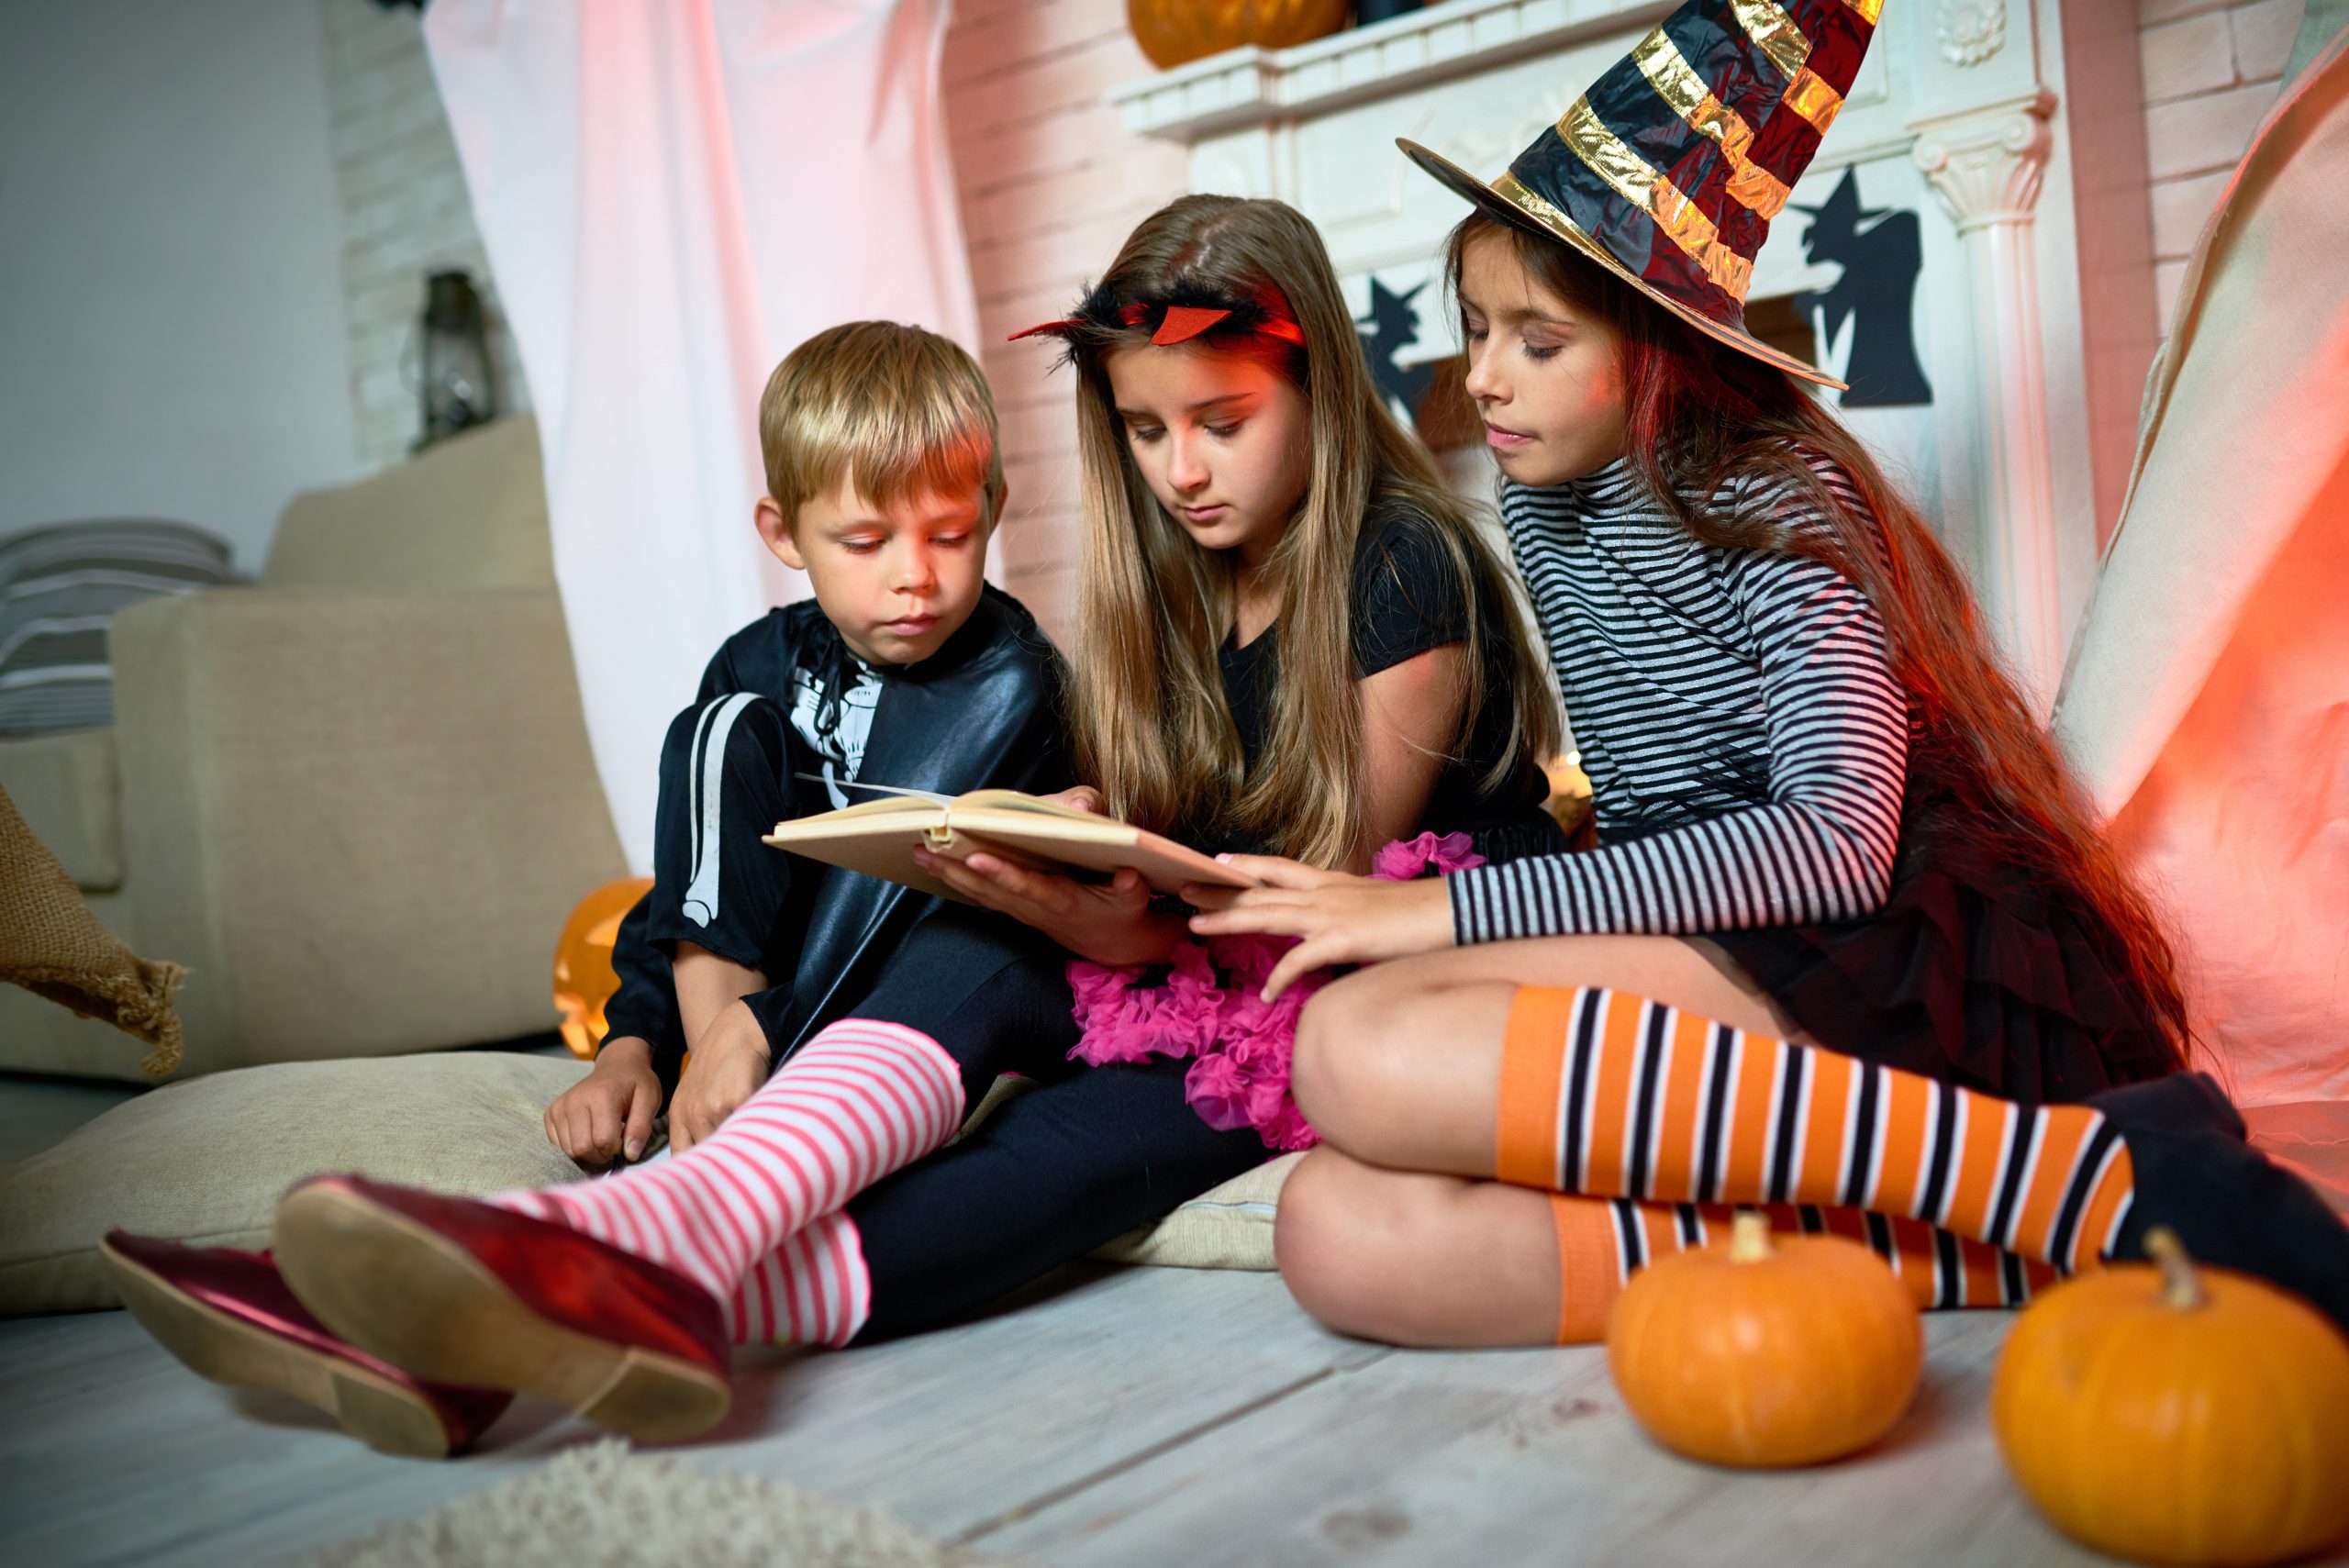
[[115, 1454], [948, 1430], [1519, 1457], [1126, 1417]]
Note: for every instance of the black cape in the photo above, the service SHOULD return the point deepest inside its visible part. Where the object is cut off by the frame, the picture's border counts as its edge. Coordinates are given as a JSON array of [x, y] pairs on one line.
[[983, 712]]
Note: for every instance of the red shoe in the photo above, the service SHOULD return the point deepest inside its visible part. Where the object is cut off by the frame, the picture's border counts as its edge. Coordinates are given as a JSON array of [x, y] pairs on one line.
[[460, 1291], [230, 1316]]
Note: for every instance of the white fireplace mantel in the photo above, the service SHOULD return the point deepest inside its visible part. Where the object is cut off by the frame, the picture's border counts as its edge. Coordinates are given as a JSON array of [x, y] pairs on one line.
[[2033, 317], [1243, 86]]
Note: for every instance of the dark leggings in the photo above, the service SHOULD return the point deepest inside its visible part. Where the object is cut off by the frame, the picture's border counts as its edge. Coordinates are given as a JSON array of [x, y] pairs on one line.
[[1087, 1154]]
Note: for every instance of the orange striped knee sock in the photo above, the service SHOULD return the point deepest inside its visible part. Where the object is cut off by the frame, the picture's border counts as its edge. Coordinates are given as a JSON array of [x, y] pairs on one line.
[[1615, 1096], [1602, 1240]]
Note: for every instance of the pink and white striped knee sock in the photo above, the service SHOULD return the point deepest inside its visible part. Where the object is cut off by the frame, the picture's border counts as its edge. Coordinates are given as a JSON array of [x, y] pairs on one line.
[[858, 1101], [812, 1290]]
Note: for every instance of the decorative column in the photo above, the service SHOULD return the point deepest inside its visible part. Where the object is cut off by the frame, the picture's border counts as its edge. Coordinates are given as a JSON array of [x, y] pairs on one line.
[[1985, 165]]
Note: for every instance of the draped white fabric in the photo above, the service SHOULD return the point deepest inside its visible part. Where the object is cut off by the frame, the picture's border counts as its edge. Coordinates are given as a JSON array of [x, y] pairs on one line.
[[2206, 706], [673, 194]]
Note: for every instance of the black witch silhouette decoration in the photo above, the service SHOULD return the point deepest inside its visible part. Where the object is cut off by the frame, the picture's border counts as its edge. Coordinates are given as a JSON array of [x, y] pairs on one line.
[[1881, 251], [1394, 326]]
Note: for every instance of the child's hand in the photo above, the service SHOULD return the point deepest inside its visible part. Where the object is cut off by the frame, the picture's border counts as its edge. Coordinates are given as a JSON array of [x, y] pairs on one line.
[[609, 1111], [1336, 918], [728, 1064], [1108, 922]]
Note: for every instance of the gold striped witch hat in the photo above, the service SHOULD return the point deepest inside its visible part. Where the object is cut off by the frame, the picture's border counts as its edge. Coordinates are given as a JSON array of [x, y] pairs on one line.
[[1668, 171]]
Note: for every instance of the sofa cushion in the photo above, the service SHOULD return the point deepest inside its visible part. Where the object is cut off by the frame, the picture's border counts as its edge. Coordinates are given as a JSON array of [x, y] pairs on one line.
[[60, 588], [66, 788], [468, 513]]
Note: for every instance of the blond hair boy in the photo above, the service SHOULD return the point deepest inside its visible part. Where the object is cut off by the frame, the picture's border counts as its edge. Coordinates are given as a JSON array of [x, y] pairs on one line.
[[905, 669]]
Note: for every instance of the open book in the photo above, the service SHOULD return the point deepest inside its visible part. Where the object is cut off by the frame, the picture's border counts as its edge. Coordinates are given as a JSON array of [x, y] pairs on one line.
[[878, 838]]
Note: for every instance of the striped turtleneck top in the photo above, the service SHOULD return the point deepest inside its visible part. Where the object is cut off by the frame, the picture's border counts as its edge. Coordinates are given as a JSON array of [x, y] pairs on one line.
[[1745, 739]]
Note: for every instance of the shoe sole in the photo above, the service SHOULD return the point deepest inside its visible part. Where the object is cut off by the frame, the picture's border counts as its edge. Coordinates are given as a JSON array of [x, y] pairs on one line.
[[402, 1291], [225, 1349]]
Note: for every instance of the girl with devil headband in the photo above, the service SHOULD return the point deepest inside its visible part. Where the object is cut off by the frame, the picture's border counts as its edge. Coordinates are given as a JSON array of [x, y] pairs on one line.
[[1297, 645], [1851, 945]]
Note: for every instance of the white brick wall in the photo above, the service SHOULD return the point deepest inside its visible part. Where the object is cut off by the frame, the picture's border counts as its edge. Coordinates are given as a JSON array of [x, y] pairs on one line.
[[1050, 183], [405, 214], [2211, 71]]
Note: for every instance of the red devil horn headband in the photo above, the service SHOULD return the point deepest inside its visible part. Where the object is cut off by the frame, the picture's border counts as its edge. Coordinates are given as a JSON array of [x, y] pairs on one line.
[[1177, 323]]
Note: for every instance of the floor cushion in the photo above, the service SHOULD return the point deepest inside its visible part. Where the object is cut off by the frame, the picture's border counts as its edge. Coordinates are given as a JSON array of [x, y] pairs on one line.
[[204, 1162]]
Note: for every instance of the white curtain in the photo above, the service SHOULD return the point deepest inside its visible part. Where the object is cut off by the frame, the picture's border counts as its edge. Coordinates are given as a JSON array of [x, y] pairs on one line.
[[2206, 706], [673, 194]]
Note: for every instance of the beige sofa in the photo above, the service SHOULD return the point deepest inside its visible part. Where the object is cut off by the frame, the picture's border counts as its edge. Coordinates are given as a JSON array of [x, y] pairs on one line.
[[356, 800]]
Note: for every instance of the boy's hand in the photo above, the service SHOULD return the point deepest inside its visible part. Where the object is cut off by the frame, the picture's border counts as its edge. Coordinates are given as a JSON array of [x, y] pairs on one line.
[[728, 1064], [609, 1111]]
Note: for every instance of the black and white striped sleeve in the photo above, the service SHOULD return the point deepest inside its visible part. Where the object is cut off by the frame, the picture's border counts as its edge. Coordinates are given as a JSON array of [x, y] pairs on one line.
[[1822, 850]]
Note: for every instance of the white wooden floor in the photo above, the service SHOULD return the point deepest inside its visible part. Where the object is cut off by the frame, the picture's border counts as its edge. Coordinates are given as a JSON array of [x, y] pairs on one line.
[[1125, 1418]]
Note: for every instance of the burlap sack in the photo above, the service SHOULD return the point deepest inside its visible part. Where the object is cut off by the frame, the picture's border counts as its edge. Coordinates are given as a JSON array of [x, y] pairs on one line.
[[51, 945]]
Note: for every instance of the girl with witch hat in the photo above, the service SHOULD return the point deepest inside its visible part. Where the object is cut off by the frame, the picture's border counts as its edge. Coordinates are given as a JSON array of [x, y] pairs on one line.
[[1851, 947]]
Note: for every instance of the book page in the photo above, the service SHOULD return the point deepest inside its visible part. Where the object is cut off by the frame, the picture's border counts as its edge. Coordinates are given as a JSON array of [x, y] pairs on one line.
[[878, 838], [1017, 800]]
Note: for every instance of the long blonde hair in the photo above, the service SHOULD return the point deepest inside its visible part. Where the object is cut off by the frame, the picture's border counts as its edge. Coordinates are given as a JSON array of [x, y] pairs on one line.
[[1152, 730]]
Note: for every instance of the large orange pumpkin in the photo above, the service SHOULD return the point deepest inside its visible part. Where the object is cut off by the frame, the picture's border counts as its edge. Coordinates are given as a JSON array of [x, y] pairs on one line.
[[2168, 1414], [1765, 1354], [583, 977], [1172, 32]]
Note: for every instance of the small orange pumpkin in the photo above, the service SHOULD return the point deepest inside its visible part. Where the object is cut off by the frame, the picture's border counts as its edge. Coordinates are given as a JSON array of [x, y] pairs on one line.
[[2167, 1413], [1174, 32], [583, 978], [1764, 1354]]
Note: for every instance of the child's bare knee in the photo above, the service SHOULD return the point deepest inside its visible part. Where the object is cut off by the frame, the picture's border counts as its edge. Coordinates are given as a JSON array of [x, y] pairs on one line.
[[1317, 1060], [1351, 1238], [1319, 1243]]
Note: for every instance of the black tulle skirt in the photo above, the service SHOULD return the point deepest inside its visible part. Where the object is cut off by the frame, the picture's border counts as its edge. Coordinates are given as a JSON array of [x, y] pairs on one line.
[[1977, 971]]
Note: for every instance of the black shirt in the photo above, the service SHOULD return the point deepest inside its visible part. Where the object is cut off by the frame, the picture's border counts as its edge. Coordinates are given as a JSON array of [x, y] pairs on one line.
[[1408, 599]]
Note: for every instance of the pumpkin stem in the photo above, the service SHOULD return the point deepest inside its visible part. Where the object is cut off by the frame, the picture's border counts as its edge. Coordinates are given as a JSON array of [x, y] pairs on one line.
[[1749, 1238], [2181, 1285]]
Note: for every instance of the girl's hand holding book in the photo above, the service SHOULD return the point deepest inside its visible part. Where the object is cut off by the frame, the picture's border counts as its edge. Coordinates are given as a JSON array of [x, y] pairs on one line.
[[1336, 918], [1109, 922]]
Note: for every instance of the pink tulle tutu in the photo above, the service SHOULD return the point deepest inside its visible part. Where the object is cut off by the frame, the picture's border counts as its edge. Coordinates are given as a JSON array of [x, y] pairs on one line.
[[1208, 1009]]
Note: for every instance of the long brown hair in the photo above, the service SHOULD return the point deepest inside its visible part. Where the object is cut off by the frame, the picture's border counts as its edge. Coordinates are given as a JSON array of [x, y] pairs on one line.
[[1152, 730], [1982, 773]]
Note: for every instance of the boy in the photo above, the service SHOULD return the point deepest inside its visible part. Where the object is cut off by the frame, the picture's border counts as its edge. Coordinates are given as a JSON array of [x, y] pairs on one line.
[[882, 486], [906, 669]]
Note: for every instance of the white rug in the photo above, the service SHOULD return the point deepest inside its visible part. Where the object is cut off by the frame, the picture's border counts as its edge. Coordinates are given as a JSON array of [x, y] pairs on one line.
[[606, 1507]]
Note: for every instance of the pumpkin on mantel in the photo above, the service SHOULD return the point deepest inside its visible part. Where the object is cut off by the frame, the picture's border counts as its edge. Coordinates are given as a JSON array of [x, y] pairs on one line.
[[1768, 1353], [1174, 32], [2167, 1413]]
